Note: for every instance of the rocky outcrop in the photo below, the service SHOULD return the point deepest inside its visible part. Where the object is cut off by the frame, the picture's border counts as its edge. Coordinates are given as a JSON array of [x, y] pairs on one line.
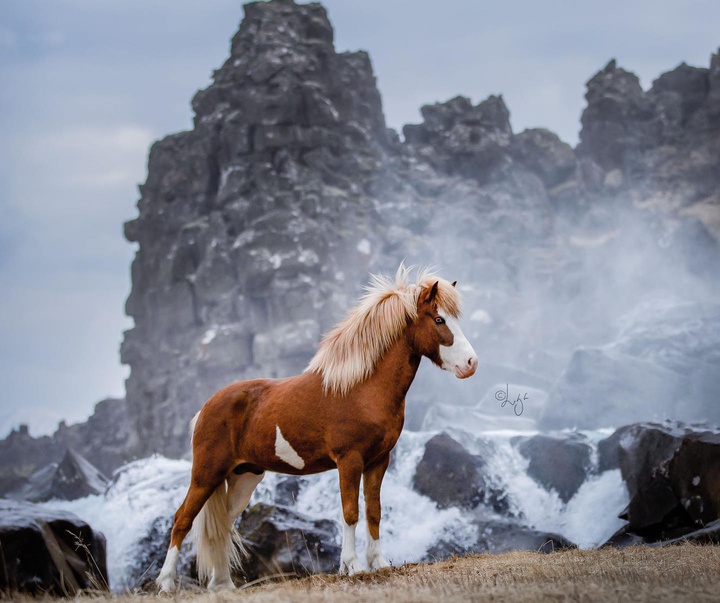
[[278, 541], [500, 536], [670, 472], [282, 541], [557, 462], [49, 552], [450, 476], [257, 228], [252, 224], [107, 438], [74, 477]]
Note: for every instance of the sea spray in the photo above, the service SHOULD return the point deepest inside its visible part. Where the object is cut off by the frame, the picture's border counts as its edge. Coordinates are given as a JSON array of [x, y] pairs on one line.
[[412, 524]]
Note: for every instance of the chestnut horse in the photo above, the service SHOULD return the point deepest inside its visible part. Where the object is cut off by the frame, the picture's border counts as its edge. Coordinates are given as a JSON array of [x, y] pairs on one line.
[[346, 411]]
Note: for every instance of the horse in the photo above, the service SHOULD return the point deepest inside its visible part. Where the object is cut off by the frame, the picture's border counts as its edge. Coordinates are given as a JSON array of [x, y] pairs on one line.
[[346, 411]]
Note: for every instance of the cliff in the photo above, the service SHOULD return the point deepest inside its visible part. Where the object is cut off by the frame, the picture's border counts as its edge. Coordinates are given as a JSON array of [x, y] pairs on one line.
[[257, 228]]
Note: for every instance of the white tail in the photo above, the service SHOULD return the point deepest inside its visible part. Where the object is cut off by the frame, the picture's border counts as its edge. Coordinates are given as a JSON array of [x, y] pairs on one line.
[[219, 547], [218, 543]]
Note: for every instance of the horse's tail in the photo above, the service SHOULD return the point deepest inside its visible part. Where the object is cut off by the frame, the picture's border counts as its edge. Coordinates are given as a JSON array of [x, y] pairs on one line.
[[217, 539], [218, 542]]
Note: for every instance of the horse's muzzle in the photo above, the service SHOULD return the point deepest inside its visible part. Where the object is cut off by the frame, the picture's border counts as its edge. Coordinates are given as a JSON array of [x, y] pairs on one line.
[[468, 370]]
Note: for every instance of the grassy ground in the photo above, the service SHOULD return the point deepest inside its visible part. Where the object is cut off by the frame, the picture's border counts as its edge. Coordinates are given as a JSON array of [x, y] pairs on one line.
[[640, 574]]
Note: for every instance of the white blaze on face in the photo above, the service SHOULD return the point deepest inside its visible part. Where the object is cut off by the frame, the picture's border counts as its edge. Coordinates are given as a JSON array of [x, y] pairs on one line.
[[460, 357], [285, 452]]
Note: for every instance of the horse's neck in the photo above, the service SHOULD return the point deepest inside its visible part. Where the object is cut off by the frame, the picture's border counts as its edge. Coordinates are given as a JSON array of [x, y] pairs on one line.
[[396, 371]]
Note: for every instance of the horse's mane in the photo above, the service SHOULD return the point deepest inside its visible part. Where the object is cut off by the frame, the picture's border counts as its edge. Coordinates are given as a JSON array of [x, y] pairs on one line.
[[347, 355]]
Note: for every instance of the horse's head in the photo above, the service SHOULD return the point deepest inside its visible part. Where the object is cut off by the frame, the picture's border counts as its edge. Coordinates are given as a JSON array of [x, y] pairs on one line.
[[436, 333]]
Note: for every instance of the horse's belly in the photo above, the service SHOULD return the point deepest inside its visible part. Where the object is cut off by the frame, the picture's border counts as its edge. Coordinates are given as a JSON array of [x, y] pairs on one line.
[[314, 466]]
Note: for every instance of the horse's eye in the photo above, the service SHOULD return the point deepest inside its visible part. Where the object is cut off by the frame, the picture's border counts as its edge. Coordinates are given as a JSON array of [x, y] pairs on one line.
[[440, 320]]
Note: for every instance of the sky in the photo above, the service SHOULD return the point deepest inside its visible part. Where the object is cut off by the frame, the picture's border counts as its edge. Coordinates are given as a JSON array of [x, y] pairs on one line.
[[87, 85]]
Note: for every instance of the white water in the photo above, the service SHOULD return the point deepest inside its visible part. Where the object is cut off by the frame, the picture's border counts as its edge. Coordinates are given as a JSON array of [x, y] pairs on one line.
[[155, 487]]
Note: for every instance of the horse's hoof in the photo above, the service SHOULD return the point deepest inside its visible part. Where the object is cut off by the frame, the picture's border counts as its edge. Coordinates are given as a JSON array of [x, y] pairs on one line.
[[166, 586], [377, 563], [351, 566]]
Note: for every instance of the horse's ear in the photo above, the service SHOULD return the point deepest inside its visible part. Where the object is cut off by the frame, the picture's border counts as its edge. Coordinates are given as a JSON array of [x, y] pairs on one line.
[[433, 293], [454, 283]]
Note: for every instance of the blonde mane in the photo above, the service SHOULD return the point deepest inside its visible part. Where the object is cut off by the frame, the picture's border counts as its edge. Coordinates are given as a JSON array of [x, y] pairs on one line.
[[347, 355]]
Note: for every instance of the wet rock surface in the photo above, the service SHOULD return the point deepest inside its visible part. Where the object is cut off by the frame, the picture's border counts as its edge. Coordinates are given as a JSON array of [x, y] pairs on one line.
[[282, 541], [450, 476], [671, 474], [50, 552], [557, 462]]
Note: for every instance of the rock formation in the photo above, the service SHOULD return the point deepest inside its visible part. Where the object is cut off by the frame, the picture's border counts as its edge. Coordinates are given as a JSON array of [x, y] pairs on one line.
[[49, 552], [671, 474], [257, 229]]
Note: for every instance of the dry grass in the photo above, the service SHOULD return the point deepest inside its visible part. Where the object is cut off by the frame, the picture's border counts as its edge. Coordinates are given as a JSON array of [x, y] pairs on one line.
[[640, 574]]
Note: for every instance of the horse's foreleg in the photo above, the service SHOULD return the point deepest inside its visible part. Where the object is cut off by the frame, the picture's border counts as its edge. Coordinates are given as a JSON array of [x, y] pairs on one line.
[[372, 480], [350, 469], [194, 501]]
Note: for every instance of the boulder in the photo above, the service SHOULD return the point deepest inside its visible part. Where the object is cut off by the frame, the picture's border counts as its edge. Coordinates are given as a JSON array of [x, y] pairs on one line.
[[609, 450], [557, 462], [450, 476], [501, 536], [49, 552], [74, 477], [671, 474], [281, 541], [150, 552]]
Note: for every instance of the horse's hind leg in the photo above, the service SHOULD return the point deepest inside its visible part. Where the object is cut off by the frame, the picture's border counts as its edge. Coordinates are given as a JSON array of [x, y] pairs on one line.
[[196, 497], [239, 490]]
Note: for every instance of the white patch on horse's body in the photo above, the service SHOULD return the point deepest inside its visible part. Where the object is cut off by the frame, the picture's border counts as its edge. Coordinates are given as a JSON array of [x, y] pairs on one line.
[[166, 579], [460, 357], [373, 554], [285, 452], [349, 562]]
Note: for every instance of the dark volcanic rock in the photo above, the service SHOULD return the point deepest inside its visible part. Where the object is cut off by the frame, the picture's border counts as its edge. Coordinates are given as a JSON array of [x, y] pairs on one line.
[[609, 450], [50, 552], [459, 138], [74, 477], [619, 120], [282, 541], [451, 476], [250, 222], [151, 550], [501, 536], [106, 437], [557, 462], [257, 228], [671, 474], [546, 155]]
